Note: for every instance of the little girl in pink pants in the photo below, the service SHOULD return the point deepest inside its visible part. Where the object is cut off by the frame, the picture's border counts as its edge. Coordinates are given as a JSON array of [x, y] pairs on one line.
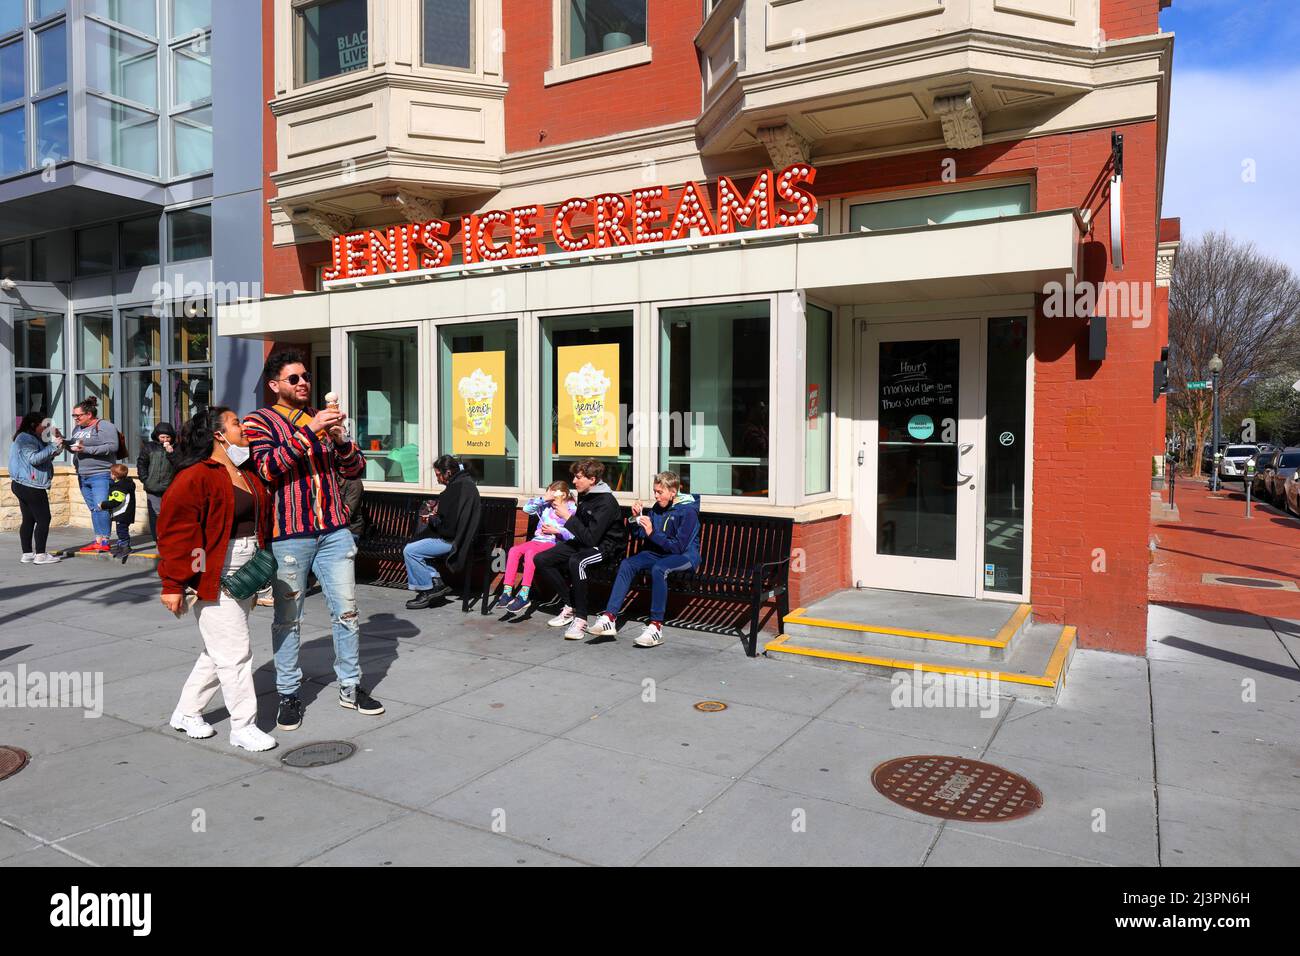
[[552, 509]]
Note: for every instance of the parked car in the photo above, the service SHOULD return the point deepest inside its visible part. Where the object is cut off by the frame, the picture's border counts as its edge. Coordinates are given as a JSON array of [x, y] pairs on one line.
[[1291, 488], [1232, 466], [1283, 467]]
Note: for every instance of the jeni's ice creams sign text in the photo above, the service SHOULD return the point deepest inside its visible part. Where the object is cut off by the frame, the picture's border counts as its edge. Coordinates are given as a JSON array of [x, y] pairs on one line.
[[588, 400], [653, 214], [478, 405]]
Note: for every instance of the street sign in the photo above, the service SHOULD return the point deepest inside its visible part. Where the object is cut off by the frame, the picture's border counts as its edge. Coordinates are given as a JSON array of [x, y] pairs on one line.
[[1193, 386]]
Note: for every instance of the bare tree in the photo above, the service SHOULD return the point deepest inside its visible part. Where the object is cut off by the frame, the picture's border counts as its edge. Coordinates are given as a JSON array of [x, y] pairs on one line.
[[1226, 298]]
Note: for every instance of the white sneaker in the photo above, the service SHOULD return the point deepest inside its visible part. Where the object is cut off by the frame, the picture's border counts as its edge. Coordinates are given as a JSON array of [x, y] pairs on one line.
[[250, 738], [193, 726], [47, 559], [563, 618], [650, 637], [29, 557], [577, 630], [604, 626]]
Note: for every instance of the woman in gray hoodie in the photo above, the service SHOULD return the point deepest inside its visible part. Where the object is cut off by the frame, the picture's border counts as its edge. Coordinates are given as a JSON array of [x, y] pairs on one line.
[[31, 470], [96, 445]]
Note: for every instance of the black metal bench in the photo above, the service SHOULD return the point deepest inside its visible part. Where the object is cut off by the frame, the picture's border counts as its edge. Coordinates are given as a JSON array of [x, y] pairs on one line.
[[743, 558], [392, 518]]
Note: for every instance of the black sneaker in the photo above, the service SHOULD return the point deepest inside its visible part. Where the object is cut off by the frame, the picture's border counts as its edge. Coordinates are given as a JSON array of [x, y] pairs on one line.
[[356, 698], [289, 714], [440, 590], [421, 600]]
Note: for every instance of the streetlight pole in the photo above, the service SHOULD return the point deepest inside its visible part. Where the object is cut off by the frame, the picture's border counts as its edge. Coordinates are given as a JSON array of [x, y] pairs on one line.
[[1216, 366]]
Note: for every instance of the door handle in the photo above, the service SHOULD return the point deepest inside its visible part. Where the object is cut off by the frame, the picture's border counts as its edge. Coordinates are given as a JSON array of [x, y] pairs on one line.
[[962, 477]]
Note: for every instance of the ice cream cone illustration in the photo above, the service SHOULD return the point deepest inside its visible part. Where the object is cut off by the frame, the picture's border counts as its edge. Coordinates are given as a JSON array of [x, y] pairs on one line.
[[478, 391], [588, 388]]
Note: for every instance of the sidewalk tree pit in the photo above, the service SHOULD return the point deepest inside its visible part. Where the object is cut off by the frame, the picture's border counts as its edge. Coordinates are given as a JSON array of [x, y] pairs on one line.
[[954, 788]]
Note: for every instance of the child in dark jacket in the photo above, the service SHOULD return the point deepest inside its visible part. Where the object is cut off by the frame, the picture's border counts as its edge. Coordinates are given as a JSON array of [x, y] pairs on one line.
[[672, 532], [121, 508]]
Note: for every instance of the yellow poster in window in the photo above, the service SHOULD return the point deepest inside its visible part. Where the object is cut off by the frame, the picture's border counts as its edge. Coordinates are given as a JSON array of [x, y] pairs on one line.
[[478, 395], [587, 376]]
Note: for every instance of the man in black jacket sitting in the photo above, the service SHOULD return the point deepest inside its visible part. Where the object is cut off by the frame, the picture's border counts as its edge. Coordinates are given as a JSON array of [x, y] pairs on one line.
[[598, 536], [449, 531]]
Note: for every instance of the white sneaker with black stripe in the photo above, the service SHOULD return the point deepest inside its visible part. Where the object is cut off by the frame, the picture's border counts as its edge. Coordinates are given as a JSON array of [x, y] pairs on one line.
[[563, 619], [652, 636], [577, 629], [604, 626]]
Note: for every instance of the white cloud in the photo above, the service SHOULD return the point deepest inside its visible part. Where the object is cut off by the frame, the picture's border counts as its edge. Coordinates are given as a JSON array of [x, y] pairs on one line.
[[1220, 120]]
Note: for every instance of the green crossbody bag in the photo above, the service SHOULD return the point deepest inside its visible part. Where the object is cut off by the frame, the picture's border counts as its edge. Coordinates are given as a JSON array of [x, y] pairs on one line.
[[255, 574]]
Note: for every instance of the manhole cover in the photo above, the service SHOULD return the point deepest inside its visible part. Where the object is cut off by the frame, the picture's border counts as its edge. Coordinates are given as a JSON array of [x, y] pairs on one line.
[[956, 789], [710, 706], [11, 761], [319, 754]]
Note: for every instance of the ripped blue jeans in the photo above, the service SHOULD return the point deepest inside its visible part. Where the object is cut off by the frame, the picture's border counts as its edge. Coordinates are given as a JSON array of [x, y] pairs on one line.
[[332, 558]]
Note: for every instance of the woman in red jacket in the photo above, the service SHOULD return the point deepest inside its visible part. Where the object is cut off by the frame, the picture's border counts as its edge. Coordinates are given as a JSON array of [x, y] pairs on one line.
[[214, 515]]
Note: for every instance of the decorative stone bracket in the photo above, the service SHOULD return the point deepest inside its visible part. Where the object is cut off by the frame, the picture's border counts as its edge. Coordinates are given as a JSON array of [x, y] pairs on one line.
[[326, 224], [414, 207], [785, 146], [962, 128]]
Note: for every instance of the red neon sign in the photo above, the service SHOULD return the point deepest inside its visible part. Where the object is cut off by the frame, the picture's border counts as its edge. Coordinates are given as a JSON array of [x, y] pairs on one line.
[[497, 235]]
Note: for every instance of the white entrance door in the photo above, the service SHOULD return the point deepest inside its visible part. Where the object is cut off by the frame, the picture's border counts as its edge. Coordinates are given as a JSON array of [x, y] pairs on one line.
[[916, 517]]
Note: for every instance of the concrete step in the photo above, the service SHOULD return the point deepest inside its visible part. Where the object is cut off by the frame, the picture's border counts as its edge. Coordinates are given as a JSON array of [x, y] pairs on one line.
[[889, 623], [1034, 670]]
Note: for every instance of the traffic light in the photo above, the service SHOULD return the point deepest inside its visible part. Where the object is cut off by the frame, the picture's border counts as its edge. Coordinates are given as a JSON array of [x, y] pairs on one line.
[[1160, 376]]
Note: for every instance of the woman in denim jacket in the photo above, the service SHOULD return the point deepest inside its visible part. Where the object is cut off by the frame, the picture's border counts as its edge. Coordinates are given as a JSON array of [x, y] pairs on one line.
[[31, 470]]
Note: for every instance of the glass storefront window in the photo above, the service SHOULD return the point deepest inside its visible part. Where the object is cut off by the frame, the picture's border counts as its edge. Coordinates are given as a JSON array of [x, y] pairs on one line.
[[192, 142], [139, 243], [190, 16], [191, 392], [449, 33], [460, 361], [384, 399], [965, 205], [1004, 468], [599, 26], [38, 340], [52, 56], [143, 408], [47, 8], [98, 386], [95, 250], [817, 402], [122, 136], [141, 15], [13, 141], [189, 234], [41, 259], [191, 73], [44, 393], [142, 333], [613, 329], [13, 86], [11, 15], [332, 39], [95, 340], [192, 337], [715, 381], [122, 64], [52, 130], [13, 261]]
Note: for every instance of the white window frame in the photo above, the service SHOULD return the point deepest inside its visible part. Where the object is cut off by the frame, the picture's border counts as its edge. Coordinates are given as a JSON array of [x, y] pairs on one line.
[[564, 70], [476, 32], [297, 40], [847, 203]]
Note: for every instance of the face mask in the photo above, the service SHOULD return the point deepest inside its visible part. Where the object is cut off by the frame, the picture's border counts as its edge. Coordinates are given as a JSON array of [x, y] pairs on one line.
[[237, 454]]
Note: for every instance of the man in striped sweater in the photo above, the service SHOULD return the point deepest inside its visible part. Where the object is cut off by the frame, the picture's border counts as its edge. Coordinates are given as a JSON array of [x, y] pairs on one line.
[[301, 454]]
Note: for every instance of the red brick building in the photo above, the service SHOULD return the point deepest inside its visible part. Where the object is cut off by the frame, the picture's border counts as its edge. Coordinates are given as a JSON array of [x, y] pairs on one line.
[[944, 378]]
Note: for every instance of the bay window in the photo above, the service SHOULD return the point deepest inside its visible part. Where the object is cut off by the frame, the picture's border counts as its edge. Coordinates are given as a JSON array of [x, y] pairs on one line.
[[331, 38]]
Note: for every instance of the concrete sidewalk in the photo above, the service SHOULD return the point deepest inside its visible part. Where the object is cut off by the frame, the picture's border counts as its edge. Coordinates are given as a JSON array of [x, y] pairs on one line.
[[504, 744]]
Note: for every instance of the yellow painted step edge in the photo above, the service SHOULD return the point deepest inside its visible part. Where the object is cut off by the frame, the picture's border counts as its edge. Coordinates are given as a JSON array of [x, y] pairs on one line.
[[1001, 640], [1048, 678]]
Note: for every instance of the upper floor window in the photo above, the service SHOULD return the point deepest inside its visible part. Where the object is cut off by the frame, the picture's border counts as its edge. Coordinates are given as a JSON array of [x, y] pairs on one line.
[[139, 15], [331, 38], [599, 26], [189, 233], [190, 17], [449, 33], [964, 205]]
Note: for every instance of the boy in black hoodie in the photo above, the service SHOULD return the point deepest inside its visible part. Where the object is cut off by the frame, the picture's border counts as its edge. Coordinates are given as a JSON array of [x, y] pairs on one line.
[[598, 535], [121, 508]]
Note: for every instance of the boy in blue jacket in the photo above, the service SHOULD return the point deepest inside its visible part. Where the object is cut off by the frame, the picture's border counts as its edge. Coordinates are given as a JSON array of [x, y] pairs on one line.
[[672, 532]]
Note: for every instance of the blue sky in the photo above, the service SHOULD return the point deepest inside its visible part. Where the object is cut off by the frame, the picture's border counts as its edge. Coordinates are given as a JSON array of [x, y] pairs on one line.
[[1236, 98]]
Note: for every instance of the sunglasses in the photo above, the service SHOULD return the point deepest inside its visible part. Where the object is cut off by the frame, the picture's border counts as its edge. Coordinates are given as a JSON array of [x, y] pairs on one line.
[[295, 378]]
